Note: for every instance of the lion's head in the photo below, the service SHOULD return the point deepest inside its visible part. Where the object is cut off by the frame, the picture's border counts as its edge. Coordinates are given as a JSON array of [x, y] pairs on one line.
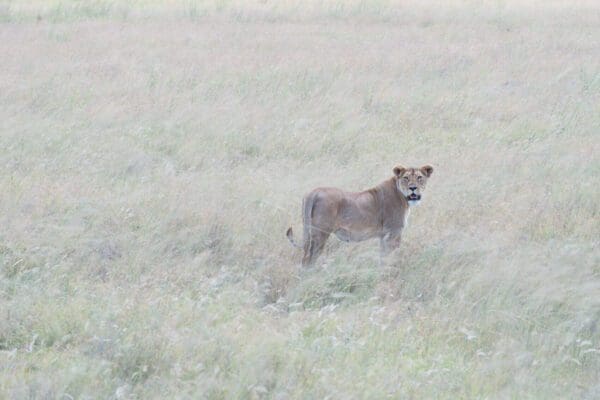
[[411, 182]]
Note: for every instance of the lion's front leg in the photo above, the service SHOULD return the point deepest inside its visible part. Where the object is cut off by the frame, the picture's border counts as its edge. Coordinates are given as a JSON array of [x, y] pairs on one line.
[[388, 243]]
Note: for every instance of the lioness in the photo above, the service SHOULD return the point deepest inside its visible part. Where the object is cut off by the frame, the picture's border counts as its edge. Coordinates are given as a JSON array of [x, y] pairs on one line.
[[380, 212]]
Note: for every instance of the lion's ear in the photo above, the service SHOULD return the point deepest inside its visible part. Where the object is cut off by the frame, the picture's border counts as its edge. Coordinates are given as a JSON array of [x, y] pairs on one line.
[[427, 170], [399, 170]]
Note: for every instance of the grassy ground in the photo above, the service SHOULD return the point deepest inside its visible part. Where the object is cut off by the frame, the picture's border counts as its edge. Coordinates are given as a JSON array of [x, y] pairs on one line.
[[154, 153]]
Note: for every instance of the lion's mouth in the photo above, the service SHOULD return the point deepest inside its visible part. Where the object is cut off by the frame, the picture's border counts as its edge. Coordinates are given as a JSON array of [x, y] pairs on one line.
[[413, 197]]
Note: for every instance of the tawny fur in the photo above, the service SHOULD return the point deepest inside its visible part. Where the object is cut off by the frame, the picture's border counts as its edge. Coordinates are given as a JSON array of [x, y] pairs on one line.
[[380, 212]]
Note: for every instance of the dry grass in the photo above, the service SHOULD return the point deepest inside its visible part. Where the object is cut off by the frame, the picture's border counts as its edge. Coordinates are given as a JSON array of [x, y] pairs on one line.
[[154, 153]]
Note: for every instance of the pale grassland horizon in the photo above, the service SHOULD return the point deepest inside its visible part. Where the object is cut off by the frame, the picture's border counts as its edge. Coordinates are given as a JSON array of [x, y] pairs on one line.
[[154, 153]]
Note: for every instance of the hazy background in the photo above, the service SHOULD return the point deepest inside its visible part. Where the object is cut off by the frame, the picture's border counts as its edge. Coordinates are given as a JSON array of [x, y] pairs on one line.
[[153, 153]]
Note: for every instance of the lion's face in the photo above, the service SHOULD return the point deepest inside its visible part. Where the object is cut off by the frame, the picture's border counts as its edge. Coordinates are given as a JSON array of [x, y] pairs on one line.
[[411, 182]]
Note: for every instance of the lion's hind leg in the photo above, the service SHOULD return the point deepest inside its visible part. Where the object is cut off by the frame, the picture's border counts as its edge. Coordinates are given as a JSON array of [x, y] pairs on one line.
[[314, 247]]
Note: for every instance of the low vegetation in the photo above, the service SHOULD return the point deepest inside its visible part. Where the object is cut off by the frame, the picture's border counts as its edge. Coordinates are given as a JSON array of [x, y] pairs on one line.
[[154, 154]]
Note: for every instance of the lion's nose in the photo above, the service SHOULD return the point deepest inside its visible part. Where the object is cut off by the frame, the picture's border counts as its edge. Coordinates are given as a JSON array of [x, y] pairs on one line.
[[413, 188]]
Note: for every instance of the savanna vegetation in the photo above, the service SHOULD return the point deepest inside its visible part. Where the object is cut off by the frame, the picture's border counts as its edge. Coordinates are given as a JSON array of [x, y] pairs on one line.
[[153, 153]]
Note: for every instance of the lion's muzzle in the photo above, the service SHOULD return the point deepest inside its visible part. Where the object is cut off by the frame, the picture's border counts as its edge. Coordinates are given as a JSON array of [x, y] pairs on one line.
[[413, 197]]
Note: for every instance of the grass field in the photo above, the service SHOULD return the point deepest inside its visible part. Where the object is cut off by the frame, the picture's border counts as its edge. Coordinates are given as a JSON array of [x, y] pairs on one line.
[[153, 153]]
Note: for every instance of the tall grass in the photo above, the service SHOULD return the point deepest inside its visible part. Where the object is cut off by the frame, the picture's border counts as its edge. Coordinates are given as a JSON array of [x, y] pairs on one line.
[[154, 153]]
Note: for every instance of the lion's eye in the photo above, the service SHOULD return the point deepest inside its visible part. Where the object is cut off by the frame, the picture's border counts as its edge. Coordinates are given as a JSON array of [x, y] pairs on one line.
[[420, 178], [406, 178]]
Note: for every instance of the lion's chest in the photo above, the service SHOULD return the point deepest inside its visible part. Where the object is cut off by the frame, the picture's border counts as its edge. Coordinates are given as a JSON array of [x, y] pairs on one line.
[[396, 222], [406, 215]]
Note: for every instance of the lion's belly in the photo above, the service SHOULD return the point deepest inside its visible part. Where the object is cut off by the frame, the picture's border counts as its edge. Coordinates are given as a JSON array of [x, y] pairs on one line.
[[355, 226], [354, 236]]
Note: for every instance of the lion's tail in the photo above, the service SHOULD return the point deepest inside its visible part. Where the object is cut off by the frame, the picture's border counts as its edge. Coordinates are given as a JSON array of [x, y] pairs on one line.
[[290, 236], [307, 206]]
